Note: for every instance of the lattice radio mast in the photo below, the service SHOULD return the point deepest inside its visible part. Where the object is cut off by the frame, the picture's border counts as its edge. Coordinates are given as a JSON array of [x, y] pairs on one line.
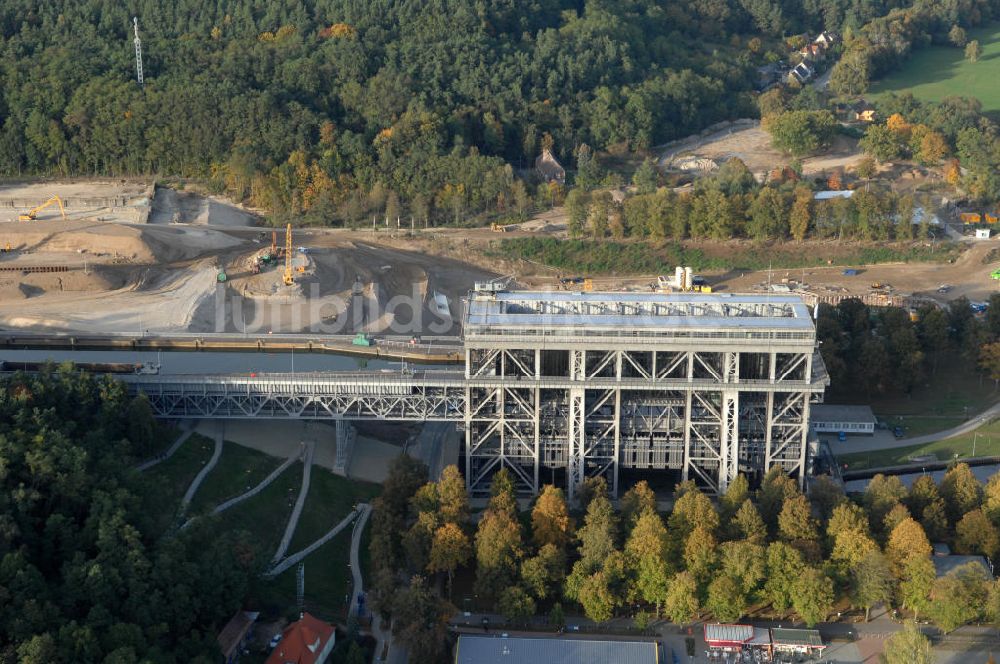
[[138, 51]]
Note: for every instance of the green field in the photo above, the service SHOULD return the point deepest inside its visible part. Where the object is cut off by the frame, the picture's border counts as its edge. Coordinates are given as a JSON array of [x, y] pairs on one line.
[[239, 470], [169, 479], [936, 72], [984, 441]]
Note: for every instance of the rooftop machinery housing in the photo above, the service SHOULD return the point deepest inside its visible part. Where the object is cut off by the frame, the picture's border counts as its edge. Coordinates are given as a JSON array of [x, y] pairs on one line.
[[711, 385]]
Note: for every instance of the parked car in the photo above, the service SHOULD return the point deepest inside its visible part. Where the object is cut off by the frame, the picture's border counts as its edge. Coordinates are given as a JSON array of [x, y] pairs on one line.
[[841, 436], [898, 432], [275, 640]]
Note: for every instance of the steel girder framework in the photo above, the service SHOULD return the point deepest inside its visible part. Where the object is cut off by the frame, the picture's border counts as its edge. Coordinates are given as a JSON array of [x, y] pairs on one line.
[[708, 414]]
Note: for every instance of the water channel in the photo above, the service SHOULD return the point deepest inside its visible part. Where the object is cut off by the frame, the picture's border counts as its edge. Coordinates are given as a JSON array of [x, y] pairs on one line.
[[210, 362]]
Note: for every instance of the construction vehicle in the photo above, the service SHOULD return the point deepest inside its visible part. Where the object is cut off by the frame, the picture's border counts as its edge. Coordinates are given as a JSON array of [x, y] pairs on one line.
[[498, 228], [970, 217], [991, 218], [362, 339], [32, 214], [221, 277], [877, 285], [288, 278], [995, 274]]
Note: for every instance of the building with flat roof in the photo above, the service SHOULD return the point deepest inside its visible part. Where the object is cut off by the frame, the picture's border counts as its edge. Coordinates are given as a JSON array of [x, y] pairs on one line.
[[476, 649], [852, 420], [807, 641], [947, 563], [710, 385]]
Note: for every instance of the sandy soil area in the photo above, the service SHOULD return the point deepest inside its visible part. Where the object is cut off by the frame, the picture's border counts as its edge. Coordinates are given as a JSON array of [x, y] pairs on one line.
[[752, 144], [160, 302], [94, 200], [183, 207]]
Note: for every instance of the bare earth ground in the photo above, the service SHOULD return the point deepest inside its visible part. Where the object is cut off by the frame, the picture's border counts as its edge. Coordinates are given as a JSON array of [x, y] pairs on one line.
[[752, 144], [161, 277]]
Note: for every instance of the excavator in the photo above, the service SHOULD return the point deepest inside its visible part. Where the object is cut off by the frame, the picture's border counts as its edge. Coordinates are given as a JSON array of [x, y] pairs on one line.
[[32, 214]]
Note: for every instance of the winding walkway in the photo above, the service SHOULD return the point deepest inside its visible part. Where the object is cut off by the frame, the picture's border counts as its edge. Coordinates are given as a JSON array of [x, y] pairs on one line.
[[356, 534], [206, 469], [300, 501], [181, 439], [295, 558], [236, 500]]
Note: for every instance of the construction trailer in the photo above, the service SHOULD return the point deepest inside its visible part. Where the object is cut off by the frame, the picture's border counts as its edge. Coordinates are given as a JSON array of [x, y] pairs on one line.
[[706, 385]]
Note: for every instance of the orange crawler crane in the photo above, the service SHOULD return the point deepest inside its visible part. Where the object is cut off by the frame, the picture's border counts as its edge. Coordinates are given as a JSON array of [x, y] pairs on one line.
[[289, 280]]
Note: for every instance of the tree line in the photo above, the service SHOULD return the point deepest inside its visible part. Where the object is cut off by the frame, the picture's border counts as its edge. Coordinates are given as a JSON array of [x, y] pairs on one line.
[[337, 111], [883, 350], [730, 203], [775, 551], [86, 574]]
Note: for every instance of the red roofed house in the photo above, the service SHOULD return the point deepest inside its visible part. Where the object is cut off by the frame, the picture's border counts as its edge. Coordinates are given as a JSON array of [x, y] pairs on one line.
[[308, 641]]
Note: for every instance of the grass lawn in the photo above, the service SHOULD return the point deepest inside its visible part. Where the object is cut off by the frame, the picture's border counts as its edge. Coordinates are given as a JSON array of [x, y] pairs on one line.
[[945, 398], [170, 479], [239, 469], [328, 579], [937, 72], [331, 497], [985, 440], [266, 514]]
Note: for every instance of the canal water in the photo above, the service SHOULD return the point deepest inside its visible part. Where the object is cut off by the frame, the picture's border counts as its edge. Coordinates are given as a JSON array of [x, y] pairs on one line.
[[982, 473], [207, 362]]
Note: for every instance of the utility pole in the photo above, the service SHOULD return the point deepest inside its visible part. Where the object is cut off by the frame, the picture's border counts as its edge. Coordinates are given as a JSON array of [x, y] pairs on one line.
[[138, 51]]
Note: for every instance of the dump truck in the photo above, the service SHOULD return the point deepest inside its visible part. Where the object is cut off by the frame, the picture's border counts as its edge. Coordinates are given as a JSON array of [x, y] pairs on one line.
[[971, 218], [362, 339]]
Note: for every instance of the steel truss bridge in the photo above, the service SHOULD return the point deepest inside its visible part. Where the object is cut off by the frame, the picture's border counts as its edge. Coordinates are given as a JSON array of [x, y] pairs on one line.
[[686, 411]]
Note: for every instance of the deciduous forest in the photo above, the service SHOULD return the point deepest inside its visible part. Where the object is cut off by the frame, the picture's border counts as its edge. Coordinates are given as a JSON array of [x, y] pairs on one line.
[[333, 109]]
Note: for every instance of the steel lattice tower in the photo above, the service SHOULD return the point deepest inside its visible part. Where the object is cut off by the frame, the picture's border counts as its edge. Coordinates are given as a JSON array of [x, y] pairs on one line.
[[138, 51]]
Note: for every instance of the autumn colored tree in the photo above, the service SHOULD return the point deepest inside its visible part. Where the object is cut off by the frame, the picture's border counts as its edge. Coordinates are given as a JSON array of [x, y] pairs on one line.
[[908, 646], [748, 525], [906, 541], [700, 554], [449, 549], [961, 490], [453, 497], [636, 501], [681, 603], [989, 361], [976, 534], [550, 520], [801, 213]]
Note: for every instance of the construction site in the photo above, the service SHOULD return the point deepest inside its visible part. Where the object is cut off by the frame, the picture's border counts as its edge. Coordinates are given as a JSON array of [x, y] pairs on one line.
[[105, 257]]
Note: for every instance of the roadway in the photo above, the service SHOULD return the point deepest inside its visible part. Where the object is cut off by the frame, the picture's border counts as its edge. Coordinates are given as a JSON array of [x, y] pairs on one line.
[[883, 440]]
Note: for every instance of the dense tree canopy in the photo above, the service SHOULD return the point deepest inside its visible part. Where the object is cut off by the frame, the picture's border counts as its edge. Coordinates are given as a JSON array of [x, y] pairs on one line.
[[85, 572]]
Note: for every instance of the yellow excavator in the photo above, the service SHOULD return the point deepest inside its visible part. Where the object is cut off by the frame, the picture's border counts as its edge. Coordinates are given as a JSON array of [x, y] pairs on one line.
[[32, 214]]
